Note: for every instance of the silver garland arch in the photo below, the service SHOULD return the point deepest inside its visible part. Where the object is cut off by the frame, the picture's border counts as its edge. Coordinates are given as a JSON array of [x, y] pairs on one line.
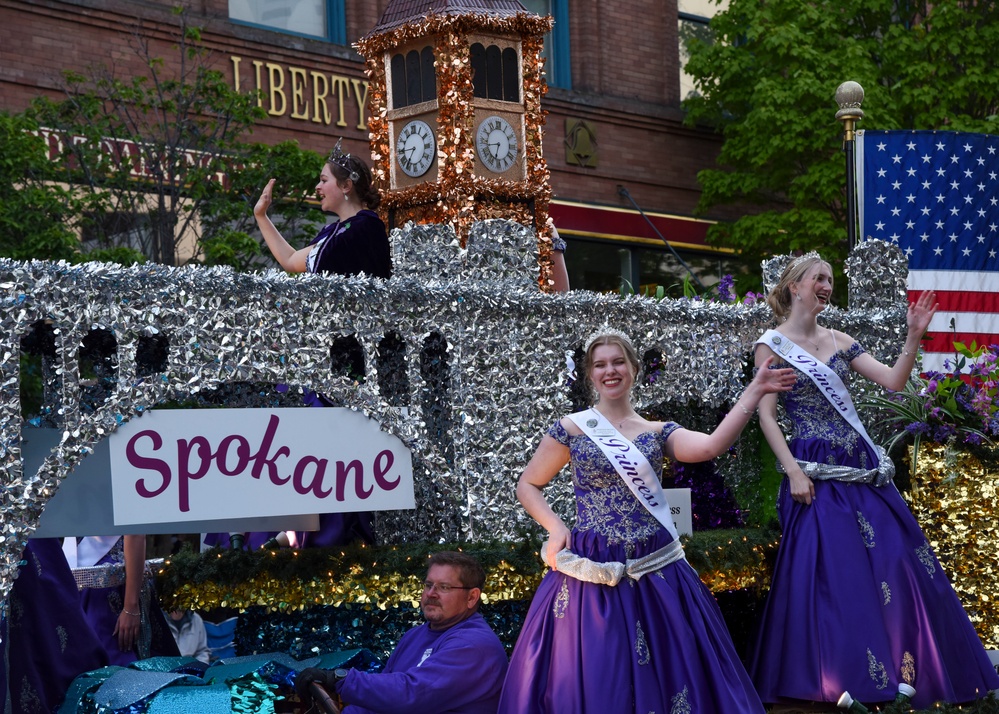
[[504, 365]]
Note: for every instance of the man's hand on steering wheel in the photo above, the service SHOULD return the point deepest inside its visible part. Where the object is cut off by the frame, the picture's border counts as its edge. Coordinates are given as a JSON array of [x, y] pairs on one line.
[[319, 686]]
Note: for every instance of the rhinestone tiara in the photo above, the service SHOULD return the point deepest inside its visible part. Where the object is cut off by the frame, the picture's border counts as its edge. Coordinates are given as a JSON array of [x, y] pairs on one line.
[[342, 160], [603, 332], [802, 258]]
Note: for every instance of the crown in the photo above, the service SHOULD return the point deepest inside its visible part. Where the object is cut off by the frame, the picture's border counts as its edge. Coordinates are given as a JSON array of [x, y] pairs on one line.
[[604, 332], [810, 255], [342, 160]]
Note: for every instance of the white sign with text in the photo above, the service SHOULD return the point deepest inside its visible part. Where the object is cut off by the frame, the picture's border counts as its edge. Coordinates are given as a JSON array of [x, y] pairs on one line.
[[195, 465], [679, 506]]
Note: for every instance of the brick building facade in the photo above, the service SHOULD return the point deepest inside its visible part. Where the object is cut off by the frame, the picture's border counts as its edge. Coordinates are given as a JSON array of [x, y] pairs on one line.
[[614, 136]]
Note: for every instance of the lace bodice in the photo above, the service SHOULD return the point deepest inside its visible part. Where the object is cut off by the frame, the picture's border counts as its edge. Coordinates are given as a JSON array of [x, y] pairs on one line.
[[813, 417], [604, 503]]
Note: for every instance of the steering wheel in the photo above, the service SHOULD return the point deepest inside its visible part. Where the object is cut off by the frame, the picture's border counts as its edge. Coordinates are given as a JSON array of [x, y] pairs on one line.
[[322, 698]]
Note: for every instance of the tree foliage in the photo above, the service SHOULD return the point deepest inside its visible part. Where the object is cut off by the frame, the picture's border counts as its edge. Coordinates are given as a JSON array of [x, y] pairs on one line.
[[767, 83], [158, 158], [228, 226], [34, 212]]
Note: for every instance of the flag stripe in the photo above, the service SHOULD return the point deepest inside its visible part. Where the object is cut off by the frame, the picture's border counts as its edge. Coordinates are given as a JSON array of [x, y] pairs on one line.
[[953, 280], [962, 301], [943, 342], [937, 362], [948, 321]]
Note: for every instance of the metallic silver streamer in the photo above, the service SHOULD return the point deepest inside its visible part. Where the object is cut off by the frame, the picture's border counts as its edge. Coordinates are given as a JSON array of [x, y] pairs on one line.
[[506, 351]]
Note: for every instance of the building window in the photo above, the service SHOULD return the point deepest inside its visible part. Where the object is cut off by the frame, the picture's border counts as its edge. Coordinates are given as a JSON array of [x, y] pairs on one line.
[[324, 19], [613, 267], [556, 51], [413, 78], [693, 18], [495, 73]]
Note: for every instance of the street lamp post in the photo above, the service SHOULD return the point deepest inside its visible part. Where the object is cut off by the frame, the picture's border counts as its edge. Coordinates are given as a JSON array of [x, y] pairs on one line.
[[849, 97]]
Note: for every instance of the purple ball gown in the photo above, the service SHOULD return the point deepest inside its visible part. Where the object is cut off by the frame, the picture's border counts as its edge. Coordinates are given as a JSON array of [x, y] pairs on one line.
[[858, 602], [46, 639], [103, 604], [658, 644]]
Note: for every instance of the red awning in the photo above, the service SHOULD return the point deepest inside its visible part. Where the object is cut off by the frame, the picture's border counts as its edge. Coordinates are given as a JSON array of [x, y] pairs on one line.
[[623, 224]]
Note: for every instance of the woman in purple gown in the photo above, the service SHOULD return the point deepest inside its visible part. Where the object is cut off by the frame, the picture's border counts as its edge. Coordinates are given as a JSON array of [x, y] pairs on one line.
[[859, 602], [119, 599], [46, 639], [622, 623], [355, 243]]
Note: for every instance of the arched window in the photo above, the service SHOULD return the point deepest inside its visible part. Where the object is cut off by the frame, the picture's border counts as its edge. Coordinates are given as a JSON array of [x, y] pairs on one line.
[[495, 72], [151, 354], [393, 380], [40, 381], [98, 368], [347, 358], [413, 77], [398, 80], [511, 76], [436, 397]]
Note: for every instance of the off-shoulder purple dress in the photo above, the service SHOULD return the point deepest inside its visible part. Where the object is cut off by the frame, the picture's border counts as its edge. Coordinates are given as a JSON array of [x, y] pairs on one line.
[[658, 644], [858, 602]]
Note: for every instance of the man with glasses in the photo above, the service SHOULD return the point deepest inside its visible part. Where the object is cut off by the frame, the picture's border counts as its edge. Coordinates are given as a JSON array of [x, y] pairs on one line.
[[451, 663]]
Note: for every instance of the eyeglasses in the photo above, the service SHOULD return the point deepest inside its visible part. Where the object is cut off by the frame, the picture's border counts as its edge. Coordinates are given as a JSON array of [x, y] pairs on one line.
[[443, 588]]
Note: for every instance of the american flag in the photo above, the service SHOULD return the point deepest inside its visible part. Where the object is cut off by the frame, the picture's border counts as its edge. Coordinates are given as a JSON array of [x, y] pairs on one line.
[[936, 195]]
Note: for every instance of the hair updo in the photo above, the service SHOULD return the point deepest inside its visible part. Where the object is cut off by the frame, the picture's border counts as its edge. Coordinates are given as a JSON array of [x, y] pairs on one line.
[[779, 299], [345, 168]]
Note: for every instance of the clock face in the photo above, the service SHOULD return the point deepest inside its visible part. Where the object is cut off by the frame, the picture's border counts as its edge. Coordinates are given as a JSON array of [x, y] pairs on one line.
[[415, 149], [497, 144]]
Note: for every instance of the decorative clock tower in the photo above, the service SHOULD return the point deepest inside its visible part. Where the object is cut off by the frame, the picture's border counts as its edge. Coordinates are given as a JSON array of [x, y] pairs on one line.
[[455, 90]]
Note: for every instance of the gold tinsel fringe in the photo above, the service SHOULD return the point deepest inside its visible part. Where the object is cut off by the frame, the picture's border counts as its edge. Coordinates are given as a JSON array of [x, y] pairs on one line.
[[956, 505]]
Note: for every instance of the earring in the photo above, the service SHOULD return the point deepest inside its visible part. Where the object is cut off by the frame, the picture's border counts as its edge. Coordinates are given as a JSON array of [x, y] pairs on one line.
[[797, 296]]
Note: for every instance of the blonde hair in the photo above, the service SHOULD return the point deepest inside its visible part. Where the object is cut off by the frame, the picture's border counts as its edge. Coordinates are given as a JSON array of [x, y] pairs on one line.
[[779, 299]]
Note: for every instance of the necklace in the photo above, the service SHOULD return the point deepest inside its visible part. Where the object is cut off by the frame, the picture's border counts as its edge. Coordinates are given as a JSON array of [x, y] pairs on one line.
[[621, 423], [614, 420], [813, 343]]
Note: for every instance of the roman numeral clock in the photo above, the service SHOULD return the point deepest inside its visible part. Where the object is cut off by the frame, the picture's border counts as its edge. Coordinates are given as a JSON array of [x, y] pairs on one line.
[[455, 90]]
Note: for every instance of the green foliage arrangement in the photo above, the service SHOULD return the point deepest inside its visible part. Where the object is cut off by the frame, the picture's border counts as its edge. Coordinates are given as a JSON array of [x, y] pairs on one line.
[[727, 559], [35, 213]]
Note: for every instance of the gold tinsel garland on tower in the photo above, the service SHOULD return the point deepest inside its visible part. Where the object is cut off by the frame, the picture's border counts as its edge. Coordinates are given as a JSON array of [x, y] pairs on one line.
[[378, 126], [538, 175], [459, 197]]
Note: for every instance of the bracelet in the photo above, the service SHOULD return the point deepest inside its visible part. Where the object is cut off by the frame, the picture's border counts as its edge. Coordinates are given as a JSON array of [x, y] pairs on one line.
[[744, 410], [907, 353], [133, 614]]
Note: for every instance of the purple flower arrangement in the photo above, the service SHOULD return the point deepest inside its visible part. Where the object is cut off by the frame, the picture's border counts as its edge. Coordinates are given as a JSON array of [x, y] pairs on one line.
[[957, 408], [723, 291]]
